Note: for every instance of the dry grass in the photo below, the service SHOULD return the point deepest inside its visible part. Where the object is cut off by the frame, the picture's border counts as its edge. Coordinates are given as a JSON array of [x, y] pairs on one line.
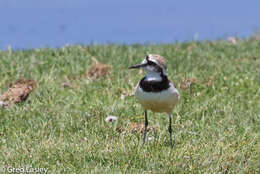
[[18, 91], [98, 70]]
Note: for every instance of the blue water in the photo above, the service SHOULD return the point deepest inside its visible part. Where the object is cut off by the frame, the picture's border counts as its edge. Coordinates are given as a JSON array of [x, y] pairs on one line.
[[53, 23]]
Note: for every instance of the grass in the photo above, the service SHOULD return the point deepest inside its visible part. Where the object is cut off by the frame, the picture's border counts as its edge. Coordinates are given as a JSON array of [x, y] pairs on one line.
[[216, 123]]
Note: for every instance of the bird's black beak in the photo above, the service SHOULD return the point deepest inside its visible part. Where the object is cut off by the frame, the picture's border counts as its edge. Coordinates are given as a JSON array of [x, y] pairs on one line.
[[137, 66]]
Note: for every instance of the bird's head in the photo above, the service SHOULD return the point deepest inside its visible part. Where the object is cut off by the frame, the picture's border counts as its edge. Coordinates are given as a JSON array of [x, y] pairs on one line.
[[152, 64]]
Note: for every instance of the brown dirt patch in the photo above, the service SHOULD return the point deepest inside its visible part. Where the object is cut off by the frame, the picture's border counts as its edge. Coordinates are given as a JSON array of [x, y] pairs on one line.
[[190, 48], [97, 69], [18, 91], [134, 128], [208, 81], [186, 83]]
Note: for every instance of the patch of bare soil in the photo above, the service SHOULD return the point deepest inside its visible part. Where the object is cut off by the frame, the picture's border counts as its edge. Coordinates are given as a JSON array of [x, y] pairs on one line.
[[134, 128], [17, 92], [98, 70], [209, 81], [186, 83]]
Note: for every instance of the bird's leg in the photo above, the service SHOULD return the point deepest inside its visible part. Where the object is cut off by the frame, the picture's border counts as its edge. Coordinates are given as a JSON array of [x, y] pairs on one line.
[[145, 125], [170, 130]]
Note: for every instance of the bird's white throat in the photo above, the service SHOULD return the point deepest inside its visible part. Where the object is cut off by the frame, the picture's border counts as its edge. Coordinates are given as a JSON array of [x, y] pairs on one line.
[[153, 77]]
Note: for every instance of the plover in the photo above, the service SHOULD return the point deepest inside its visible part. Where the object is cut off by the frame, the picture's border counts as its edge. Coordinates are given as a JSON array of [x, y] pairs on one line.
[[155, 92]]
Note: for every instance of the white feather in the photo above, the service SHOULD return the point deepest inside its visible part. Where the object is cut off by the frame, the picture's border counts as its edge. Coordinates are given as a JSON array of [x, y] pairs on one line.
[[163, 101], [153, 77]]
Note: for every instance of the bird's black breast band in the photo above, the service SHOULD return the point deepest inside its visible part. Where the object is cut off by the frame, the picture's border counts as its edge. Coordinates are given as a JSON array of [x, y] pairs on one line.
[[153, 85]]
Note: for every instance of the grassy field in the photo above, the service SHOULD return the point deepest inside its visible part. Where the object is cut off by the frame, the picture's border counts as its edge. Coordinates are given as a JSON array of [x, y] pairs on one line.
[[216, 123]]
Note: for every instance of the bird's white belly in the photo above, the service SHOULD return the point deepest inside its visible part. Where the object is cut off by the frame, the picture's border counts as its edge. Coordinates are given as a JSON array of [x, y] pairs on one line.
[[163, 101]]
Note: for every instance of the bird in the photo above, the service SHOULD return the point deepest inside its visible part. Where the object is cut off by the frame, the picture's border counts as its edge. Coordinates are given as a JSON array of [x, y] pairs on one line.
[[155, 92]]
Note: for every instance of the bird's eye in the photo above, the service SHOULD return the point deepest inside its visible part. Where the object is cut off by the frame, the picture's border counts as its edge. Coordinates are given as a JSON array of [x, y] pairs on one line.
[[151, 63]]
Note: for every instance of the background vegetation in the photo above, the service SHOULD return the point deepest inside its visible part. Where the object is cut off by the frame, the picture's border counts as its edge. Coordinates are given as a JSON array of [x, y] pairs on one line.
[[216, 123]]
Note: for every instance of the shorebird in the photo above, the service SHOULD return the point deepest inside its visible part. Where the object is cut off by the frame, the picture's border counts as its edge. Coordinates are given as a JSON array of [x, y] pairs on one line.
[[155, 92]]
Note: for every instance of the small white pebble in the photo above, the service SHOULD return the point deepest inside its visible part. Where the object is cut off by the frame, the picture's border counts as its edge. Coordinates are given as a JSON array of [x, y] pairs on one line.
[[87, 114], [3, 104], [110, 118], [150, 138]]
